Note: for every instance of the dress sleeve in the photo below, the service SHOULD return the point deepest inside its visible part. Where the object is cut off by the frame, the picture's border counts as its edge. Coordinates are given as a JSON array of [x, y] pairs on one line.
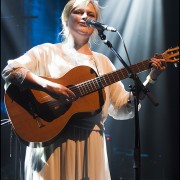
[[121, 104], [16, 69]]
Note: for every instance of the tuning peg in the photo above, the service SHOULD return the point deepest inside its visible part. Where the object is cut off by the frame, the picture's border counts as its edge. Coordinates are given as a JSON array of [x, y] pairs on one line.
[[175, 65]]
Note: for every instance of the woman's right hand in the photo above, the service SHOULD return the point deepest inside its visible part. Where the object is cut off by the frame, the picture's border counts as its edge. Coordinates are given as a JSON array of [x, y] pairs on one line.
[[60, 92], [55, 90]]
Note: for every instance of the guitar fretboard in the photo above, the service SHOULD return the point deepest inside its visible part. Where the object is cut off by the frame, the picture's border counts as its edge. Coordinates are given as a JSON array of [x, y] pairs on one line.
[[100, 82]]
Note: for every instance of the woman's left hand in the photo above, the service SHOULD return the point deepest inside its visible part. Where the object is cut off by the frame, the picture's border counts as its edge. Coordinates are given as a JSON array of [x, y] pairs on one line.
[[158, 65]]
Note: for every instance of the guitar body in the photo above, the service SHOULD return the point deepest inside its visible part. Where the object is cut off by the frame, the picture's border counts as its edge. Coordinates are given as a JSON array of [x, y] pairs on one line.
[[37, 118]]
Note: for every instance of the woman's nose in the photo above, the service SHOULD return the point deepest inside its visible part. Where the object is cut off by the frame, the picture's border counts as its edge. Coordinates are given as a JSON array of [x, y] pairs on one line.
[[84, 15]]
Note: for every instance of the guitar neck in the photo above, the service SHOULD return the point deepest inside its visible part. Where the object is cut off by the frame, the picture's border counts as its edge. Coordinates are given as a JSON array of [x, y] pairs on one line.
[[121, 74], [100, 82]]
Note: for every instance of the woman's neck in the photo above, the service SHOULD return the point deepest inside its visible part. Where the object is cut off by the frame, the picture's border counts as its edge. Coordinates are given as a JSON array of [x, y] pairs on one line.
[[80, 45], [83, 48]]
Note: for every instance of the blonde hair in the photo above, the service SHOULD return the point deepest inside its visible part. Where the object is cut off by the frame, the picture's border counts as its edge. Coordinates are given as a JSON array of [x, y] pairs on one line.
[[69, 7]]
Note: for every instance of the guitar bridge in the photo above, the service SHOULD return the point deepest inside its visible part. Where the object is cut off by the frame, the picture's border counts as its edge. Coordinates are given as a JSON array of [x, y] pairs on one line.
[[35, 116], [38, 120]]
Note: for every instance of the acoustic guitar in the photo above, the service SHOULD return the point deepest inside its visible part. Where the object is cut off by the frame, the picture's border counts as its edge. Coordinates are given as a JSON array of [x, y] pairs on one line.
[[37, 118]]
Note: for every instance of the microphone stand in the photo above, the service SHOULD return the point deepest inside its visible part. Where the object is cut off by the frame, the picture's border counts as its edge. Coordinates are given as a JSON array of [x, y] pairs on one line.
[[138, 87]]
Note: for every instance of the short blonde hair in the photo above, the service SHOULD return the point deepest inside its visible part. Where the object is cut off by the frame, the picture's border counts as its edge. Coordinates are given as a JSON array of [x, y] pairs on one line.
[[69, 7]]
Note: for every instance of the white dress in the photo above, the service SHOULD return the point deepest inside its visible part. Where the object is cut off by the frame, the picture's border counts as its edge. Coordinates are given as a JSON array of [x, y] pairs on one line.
[[80, 152]]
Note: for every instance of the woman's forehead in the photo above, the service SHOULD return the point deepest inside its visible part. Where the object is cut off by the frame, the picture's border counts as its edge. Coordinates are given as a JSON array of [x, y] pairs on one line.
[[88, 6], [81, 3]]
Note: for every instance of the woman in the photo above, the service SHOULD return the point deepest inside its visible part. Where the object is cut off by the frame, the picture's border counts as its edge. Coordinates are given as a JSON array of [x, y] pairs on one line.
[[80, 151]]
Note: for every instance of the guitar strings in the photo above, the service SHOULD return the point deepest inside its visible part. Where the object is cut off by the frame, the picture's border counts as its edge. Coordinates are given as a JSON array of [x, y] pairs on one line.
[[104, 80]]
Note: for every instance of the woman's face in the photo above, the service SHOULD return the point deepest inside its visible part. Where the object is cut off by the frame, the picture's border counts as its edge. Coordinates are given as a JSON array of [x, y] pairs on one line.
[[77, 25]]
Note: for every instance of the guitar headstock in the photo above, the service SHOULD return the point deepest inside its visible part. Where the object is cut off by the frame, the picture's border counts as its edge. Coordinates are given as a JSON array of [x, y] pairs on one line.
[[171, 55]]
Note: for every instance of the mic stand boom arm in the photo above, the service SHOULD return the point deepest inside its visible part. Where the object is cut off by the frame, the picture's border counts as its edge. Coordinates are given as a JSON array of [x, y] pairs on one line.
[[137, 88]]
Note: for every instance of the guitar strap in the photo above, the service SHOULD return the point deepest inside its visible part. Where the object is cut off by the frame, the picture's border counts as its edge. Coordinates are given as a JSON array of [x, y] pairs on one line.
[[92, 58]]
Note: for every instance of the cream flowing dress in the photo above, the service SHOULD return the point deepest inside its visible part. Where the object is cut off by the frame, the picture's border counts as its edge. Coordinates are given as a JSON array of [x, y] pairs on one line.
[[80, 152]]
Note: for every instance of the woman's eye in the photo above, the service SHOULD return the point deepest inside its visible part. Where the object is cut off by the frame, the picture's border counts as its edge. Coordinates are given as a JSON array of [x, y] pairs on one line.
[[78, 12], [91, 15]]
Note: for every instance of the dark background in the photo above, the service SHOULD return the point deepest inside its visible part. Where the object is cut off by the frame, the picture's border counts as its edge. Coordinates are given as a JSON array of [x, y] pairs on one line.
[[27, 23]]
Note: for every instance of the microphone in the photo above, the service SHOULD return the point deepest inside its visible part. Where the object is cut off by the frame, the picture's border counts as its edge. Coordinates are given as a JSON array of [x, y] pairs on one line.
[[99, 26]]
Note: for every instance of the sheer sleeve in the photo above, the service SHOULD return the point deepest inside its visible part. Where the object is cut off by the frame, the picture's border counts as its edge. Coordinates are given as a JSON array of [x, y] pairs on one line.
[[16, 69], [13, 74], [120, 101]]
